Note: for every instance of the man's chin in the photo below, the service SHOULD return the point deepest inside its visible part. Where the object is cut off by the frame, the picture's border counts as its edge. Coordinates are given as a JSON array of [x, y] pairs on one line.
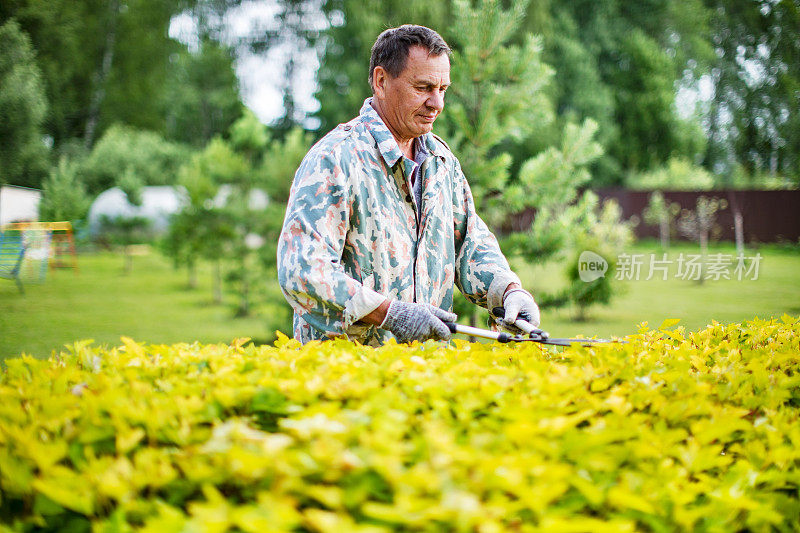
[[424, 128]]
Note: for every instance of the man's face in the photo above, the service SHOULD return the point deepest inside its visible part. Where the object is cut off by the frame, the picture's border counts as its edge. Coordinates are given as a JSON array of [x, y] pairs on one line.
[[411, 102]]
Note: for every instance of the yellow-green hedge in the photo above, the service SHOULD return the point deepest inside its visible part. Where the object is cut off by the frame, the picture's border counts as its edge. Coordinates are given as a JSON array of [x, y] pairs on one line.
[[674, 430]]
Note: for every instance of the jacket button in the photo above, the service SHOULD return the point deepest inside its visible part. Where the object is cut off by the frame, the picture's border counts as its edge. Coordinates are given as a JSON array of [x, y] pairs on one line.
[[408, 198]]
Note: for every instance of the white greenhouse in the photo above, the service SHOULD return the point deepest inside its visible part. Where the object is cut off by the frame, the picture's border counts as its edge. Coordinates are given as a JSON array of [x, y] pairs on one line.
[[158, 203]]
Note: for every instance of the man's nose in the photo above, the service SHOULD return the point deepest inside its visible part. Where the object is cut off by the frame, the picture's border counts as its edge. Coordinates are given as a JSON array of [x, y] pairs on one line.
[[436, 100]]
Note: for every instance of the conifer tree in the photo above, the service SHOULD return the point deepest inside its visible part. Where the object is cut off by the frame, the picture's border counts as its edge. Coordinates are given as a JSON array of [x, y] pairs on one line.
[[496, 97], [64, 196], [499, 95]]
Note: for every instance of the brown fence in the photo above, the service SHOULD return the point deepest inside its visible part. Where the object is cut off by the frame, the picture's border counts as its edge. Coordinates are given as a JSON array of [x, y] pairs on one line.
[[769, 216]]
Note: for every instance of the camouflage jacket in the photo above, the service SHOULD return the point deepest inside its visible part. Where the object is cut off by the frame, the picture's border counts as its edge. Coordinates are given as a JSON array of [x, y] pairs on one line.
[[354, 236]]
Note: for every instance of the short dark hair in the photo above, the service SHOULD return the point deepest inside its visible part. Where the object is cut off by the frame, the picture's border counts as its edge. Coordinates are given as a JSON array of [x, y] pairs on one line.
[[390, 50]]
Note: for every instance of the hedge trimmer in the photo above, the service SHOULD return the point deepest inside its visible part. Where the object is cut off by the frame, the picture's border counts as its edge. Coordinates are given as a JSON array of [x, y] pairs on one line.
[[530, 333]]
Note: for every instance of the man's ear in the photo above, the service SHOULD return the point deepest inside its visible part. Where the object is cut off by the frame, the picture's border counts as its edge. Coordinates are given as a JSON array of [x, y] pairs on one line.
[[379, 78]]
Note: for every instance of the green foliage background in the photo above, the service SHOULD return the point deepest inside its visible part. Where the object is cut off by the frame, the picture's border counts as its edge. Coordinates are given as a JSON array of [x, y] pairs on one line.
[[620, 64], [102, 62], [23, 108]]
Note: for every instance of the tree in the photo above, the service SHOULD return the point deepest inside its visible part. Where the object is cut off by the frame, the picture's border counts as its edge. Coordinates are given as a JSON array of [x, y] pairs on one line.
[[225, 218], [201, 99], [661, 213], [126, 232], [567, 222], [496, 96], [203, 228], [64, 196], [246, 209], [499, 94], [549, 184], [698, 223], [599, 230], [754, 115], [577, 90], [638, 52], [135, 84], [104, 61], [110, 27], [133, 156], [236, 193], [281, 160], [617, 63], [23, 155], [295, 33], [64, 34], [650, 129]]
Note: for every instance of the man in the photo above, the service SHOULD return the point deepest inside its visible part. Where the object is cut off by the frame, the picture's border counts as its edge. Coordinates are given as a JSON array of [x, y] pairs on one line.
[[381, 224]]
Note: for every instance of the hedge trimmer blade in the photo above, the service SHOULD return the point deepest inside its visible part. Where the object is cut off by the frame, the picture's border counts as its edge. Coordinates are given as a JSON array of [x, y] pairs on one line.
[[567, 342], [502, 336]]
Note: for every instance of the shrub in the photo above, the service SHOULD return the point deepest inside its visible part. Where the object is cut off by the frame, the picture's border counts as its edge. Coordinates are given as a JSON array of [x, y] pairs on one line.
[[674, 430], [64, 195], [677, 174]]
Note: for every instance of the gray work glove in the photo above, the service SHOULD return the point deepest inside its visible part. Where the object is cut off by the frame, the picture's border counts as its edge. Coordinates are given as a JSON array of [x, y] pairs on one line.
[[519, 304], [417, 322]]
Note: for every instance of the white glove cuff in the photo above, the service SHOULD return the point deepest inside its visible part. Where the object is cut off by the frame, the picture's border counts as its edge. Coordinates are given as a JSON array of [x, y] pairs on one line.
[[506, 295], [498, 287], [388, 312]]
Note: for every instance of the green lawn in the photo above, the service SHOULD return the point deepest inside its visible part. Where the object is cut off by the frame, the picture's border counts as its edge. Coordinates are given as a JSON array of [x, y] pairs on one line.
[[152, 304], [102, 303]]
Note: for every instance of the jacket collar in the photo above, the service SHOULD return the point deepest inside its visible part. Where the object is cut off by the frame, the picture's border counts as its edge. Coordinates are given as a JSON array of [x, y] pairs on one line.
[[387, 145]]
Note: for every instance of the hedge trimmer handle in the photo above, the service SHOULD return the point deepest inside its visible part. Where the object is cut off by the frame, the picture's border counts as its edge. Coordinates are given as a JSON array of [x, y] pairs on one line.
[[499, 336]]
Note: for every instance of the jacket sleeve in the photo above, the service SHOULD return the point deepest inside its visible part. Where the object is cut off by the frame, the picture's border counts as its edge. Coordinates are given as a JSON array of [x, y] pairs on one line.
[[312, 239], [482, 271]]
